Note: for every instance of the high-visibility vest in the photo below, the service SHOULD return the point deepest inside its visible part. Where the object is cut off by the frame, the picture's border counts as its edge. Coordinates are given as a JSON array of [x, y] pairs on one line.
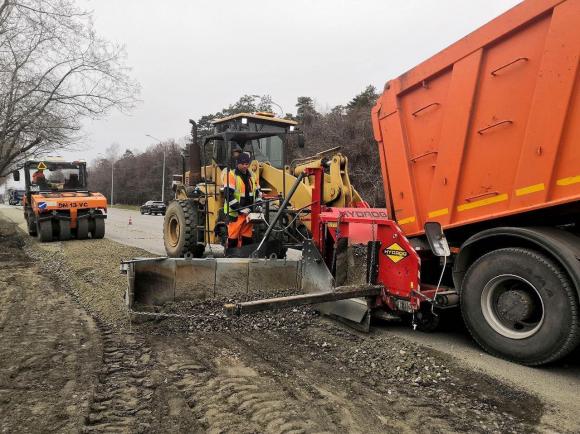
[[236, 183]]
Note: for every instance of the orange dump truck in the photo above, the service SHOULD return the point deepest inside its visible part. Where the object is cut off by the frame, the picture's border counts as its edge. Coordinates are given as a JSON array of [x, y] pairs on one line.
[[484, 137]]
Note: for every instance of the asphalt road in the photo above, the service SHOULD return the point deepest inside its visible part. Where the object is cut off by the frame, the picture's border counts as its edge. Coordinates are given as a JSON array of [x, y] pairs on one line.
[[133, 229], [124, 226], [557, 385]]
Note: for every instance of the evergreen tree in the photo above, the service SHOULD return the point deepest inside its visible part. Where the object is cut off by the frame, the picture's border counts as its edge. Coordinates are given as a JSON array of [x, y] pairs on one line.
[[305, 110], [364, 100]]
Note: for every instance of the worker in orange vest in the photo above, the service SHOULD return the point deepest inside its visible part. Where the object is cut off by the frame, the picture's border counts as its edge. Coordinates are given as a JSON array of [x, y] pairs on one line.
[[39, 179], [242, 190]]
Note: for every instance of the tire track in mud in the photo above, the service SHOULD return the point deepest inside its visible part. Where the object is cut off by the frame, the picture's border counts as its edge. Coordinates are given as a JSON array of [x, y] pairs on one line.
[[368, 397], [225, 395], [321, 385], [122, 398], [354, 404], [339, 404]]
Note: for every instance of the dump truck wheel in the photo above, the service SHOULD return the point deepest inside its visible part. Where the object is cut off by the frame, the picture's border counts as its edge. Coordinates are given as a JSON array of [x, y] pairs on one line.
[[82, 229], [99, 228], [64, 232], [180, 233], [44, 231], [519, 305]]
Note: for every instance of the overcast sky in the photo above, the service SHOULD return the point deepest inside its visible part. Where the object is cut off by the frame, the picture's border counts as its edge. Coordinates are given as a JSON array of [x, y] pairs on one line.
[[195, 57]]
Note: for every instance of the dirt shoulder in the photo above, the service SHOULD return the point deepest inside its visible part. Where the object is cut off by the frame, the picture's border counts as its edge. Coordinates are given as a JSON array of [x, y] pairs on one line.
[[51, 349]]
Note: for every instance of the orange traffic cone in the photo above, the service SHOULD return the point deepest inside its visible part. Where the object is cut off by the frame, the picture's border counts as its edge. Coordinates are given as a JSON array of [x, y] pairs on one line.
[[130, 221]]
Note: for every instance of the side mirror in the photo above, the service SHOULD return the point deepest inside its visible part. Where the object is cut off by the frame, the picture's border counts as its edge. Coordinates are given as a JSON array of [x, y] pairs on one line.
[[16, 175], [436, 238]]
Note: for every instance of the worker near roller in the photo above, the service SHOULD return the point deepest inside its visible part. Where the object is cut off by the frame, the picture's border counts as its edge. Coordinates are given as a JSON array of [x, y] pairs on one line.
[[39, 179], [242, 191]]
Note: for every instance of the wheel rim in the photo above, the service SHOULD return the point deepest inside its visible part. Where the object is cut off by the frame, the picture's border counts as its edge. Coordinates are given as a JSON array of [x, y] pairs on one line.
[[512, 306], [174, 231]]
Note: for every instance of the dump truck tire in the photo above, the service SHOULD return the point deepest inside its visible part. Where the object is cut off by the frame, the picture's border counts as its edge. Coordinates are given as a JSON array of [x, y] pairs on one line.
[[64, 232], [45, 231], [98, 229], [519, 305], [180, 233], [82, 229]]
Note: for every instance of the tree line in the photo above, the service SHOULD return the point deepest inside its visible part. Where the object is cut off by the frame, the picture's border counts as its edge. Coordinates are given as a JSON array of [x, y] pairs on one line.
[[138, 175], [55, 72]]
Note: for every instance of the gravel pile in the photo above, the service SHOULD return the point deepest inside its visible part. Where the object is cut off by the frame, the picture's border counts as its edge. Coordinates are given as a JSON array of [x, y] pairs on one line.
[[208, 316]]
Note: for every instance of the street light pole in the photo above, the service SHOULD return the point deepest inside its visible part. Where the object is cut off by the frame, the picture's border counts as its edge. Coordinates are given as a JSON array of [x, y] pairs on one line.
[[163, 175], [112, 179], [163, 180]]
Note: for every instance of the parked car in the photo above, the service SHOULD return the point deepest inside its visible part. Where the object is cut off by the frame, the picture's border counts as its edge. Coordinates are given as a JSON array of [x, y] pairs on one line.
[[153, 207]]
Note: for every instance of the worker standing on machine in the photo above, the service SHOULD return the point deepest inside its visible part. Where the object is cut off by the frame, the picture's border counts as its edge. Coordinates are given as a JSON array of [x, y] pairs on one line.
[[242, 190]]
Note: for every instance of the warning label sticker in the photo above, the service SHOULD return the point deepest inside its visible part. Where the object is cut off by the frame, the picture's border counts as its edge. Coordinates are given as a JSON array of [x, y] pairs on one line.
[[41, 166], [395, 253]]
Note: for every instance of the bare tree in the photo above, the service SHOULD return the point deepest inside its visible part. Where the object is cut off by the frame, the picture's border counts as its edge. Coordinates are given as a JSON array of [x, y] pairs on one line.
[[55, 71]]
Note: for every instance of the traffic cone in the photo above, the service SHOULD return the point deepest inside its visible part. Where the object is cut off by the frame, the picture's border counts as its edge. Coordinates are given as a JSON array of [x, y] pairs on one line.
[[130, 221]]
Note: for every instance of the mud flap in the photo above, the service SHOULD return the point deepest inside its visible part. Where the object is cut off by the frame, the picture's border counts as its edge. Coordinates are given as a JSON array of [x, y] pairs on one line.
[[316, 277]]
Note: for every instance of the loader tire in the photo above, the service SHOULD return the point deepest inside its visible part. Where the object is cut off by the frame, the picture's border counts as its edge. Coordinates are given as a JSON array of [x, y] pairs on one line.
[[64, 233], [181, 232], [98, 230], [520, 305], [82, 229], [44, 231]]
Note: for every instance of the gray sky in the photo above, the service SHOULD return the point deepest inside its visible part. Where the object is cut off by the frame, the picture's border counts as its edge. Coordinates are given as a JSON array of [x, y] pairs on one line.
[[195, 57]]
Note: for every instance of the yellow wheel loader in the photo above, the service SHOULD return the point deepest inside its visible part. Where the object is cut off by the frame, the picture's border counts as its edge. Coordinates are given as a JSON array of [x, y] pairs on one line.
[[196, 217], [293, 195]]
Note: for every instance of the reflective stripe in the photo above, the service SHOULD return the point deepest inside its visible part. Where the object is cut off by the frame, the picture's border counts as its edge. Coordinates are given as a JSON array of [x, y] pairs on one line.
[[235, 182], [530, 189], [483, 202], [438, 213]]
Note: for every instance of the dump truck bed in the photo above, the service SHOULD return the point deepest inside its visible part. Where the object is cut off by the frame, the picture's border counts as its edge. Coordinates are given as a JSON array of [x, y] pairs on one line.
[[490, 126]]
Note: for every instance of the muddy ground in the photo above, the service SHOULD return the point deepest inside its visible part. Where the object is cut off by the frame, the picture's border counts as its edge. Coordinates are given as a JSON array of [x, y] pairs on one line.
[[72, 362]]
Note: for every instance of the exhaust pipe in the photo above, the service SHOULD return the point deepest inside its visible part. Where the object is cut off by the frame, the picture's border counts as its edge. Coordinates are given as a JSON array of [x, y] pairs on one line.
[[194, 157]]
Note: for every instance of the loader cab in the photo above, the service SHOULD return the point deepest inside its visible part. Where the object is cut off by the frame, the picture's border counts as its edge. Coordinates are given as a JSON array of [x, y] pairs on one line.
[[261, 135], [55, 176]]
